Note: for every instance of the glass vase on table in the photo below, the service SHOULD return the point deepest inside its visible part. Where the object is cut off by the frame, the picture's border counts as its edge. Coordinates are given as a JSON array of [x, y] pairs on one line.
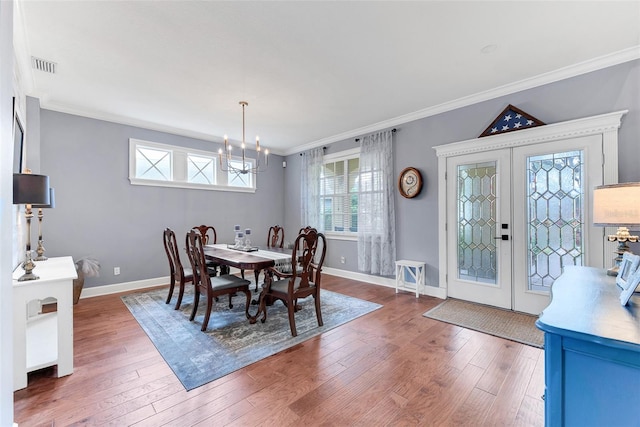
[[239, 240], [247, 239]]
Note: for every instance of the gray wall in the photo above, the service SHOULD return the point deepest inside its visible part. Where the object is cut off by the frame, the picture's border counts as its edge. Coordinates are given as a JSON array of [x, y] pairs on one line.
[[99, 213], [612, 89]]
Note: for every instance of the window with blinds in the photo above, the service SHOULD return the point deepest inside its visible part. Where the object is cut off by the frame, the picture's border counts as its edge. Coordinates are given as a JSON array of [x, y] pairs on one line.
[[339, 194]]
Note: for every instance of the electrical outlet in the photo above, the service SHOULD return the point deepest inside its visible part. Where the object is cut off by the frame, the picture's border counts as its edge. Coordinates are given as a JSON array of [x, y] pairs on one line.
[[342, 260], [116, 271]]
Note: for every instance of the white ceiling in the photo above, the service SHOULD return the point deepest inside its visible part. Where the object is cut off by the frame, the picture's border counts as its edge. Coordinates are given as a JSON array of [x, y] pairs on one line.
[[312, 72]]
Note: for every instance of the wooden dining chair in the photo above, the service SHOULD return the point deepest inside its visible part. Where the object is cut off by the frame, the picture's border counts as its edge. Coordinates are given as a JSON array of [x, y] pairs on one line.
[[305, 229], [208, 233], [179, 274], [275, 239], [210, 237], [308, 253], [211, 286]]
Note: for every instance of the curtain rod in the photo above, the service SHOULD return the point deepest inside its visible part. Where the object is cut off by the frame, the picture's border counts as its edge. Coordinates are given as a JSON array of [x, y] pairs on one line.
[[392, 130], [357, 139], [323, 148]]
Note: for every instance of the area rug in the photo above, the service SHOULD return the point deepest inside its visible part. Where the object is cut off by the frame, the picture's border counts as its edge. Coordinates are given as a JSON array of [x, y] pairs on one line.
[[230, 342], [502, 323]]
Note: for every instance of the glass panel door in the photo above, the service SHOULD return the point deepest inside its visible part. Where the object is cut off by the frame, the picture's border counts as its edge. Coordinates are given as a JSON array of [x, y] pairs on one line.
[[477, 222], [477, 217], [552, 215], [555, 216]]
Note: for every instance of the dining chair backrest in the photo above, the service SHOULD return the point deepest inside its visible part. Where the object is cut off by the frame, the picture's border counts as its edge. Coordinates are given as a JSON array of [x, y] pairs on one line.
[[309, 251], [275, 239], [178, 273], [173, 253], [305, 229], [169, 238], [195, 252], [210, 237], [208, 232]]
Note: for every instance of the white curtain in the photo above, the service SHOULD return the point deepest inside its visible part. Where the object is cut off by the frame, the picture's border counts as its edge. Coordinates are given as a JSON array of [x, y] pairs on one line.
[[376, 209], [311, 168]]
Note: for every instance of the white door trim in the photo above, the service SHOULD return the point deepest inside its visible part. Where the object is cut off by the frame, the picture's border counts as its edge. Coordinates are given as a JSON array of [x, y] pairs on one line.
[[606, 125]]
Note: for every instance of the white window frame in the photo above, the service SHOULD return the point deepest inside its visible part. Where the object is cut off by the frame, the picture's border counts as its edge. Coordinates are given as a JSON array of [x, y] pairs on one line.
[[237, 162], [179, 168], [211, 162], [337, 157]]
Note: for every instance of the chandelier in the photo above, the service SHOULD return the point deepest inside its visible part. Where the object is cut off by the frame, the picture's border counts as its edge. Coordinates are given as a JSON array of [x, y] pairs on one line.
[[231, 165]]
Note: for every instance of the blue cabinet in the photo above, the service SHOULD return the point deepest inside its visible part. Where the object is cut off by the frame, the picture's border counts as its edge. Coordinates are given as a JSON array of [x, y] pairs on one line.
[[592, 352]]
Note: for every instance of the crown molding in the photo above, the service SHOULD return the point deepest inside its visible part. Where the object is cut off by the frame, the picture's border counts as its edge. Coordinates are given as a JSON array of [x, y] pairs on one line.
[[143, 124]]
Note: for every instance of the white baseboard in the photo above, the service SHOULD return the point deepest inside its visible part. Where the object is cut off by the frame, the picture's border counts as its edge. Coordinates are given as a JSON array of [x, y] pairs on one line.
[[159, 281], [361, 277], [431, 291], [97, 291]]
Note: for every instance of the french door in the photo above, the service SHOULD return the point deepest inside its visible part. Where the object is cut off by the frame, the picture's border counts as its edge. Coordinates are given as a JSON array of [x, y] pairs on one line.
[[552, 209], [479, 211], [517, 216]]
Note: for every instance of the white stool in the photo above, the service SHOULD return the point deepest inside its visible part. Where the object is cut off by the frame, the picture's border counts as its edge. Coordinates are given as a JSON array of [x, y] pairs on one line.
[[415, 270]]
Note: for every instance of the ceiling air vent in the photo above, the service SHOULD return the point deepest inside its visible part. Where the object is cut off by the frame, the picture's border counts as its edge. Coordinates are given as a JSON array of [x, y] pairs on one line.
[[43, 65]]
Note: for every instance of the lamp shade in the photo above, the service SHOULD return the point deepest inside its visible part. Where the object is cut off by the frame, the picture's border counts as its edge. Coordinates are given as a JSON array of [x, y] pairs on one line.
[[30, 189], [52, 200], [617, 205]]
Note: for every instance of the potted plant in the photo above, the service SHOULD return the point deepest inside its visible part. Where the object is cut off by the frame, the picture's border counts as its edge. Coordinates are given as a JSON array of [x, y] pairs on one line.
[[85, 267]]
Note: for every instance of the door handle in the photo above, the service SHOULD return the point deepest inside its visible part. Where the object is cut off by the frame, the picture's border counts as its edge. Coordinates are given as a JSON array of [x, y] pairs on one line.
[[502, 237]]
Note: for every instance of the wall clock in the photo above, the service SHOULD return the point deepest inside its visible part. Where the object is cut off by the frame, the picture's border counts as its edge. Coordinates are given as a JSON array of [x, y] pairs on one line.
[[410, 182]]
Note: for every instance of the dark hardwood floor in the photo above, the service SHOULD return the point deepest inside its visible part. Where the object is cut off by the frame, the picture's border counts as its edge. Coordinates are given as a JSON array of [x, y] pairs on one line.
[[391, 367]]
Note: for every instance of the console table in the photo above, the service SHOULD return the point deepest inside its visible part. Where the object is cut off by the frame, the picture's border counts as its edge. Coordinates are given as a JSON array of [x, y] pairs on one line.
[[43, 339], [592, 351]]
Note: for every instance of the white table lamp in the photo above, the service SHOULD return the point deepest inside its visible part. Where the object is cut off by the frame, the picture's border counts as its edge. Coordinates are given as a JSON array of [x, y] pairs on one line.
[[618, 205]]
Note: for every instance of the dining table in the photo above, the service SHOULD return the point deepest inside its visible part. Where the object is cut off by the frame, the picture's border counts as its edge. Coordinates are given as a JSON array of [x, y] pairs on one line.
[[256, 259]]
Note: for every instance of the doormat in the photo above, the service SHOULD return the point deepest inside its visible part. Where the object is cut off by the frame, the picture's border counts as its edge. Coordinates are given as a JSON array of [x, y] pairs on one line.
[[519, 327]]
